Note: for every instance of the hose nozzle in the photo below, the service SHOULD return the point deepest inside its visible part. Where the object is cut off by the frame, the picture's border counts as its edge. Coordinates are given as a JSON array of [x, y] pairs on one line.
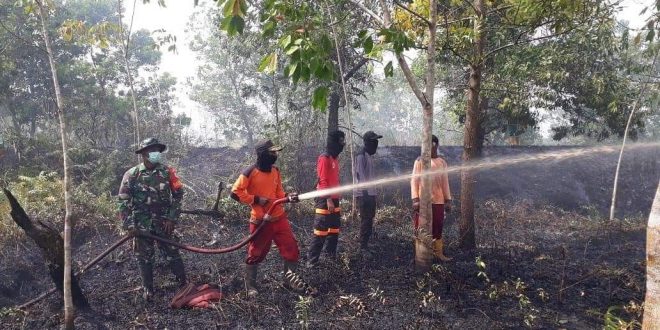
[[293, 198]]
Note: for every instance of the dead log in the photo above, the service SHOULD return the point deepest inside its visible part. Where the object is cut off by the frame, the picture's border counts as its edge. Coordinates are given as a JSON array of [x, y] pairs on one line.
[[213, 212], [51, 244]]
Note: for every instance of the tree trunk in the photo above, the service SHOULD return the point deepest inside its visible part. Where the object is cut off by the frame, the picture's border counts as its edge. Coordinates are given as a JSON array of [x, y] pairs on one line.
[[52, 246], [333, 111], [471, 136], [127, 67], [652, 301], [625, 136], [423, 250], [68, 302]]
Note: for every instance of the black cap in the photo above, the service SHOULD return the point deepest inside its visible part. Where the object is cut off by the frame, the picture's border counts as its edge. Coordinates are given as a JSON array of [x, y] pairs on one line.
[[266, 145], [370, 135], [150, 142]]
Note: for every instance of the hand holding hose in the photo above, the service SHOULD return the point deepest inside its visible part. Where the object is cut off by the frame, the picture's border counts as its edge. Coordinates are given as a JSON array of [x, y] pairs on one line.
[[293, 197]]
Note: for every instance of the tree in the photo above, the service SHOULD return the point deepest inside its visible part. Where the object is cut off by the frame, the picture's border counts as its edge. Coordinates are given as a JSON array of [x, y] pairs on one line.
[[68, 302]]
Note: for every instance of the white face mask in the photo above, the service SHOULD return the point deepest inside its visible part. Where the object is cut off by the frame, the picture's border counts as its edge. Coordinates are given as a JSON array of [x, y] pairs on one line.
[[155, 157]]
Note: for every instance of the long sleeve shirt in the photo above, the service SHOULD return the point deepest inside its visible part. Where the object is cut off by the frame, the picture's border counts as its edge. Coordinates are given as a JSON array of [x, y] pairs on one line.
[[327, 171], [439, 182], [253, 183], [145, 194], [364, 172]]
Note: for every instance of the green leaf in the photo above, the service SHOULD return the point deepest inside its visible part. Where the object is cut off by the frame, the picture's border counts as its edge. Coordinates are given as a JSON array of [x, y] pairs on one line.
[[368, 45], [650, 35], [320, 98], [269, 29], [268, 63], [285, 41], [238, 24], [229, 8], [292, 49], [326, 44], [612, 107], [389, 69], [291, 69]]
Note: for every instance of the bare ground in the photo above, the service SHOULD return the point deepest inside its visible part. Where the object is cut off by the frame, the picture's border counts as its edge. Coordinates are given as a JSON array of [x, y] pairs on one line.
[[544, 268]]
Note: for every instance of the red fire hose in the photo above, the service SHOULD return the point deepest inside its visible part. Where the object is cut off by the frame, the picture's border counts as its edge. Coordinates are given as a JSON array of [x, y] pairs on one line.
[[190, 248]]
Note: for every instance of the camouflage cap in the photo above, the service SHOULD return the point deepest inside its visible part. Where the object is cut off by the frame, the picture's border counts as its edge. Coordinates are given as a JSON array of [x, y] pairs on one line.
[[149, 142]]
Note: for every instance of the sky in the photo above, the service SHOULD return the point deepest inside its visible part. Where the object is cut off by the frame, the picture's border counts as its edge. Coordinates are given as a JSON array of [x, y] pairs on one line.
[[183, 64]]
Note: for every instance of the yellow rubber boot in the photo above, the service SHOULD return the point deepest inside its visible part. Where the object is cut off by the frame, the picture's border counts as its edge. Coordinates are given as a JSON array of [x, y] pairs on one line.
[[438, 248]]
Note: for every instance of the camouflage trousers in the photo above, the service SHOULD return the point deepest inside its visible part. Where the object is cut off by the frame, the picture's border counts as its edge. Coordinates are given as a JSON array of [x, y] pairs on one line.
[[144, 247]]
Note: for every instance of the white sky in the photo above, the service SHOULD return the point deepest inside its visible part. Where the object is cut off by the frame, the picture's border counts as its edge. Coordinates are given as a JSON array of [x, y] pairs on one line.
[[174, 19]]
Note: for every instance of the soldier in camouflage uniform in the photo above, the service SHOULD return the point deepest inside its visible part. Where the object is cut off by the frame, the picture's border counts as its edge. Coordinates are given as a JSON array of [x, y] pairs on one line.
[[150, 200]]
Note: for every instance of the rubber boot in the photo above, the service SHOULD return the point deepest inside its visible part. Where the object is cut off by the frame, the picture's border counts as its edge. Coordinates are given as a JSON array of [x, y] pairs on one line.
[[294, 282], [147, 274], [179, 271], [251, 280], [438, 250]]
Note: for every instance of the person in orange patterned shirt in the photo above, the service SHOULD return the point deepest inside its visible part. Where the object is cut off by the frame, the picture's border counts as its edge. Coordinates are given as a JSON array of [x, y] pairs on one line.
[[440, 198]]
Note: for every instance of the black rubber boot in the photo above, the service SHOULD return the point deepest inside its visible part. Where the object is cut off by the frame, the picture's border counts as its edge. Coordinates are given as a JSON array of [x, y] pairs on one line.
[[251, 280], [147, 274], [179, 271]]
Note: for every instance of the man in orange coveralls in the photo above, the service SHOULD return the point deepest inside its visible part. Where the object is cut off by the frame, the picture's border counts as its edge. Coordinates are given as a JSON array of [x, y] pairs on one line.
[[258, 186]]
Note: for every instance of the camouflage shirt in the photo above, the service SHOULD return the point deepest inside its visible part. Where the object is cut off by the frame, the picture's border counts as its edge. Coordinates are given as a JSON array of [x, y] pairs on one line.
[[149, 195]]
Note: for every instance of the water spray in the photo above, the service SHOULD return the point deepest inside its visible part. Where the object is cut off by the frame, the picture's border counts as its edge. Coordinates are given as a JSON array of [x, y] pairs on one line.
[[486, 164]]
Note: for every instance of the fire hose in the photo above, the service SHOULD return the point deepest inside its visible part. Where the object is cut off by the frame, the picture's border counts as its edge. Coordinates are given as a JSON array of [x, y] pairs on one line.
[[143, 234]]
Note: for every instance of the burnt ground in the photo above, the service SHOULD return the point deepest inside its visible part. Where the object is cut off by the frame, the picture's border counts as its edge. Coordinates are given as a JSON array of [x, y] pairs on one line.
[[551, 261], [544, 266]]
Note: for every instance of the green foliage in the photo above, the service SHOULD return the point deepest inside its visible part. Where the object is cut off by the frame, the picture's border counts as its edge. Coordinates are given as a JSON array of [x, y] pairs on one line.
[[42, 197], [320, 98], [302, 309]]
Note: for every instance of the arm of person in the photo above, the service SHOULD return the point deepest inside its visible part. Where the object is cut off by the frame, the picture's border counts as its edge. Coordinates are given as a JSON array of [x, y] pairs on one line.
[[176, 186], [239, 191], [124, 198]]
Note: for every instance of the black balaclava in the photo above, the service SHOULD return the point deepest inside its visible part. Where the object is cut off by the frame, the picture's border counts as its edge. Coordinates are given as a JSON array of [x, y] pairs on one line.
[[370, 146], [434, 140], [265, 161], [334, 144]]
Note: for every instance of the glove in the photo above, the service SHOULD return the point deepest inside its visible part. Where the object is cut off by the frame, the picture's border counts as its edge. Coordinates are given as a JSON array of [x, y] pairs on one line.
[[448, 206], [168, 226], [415, 204], [293, 197], [269, 218], [331, 205], [261, 200]]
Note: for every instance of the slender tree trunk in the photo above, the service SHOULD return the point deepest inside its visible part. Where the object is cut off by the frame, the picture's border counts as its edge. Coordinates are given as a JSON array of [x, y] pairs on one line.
[[129, 75], [276, 106], [333, 111], [334, 119], [625, 136], [68, 301], [652, 300], [423, 251], [471, 137]]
